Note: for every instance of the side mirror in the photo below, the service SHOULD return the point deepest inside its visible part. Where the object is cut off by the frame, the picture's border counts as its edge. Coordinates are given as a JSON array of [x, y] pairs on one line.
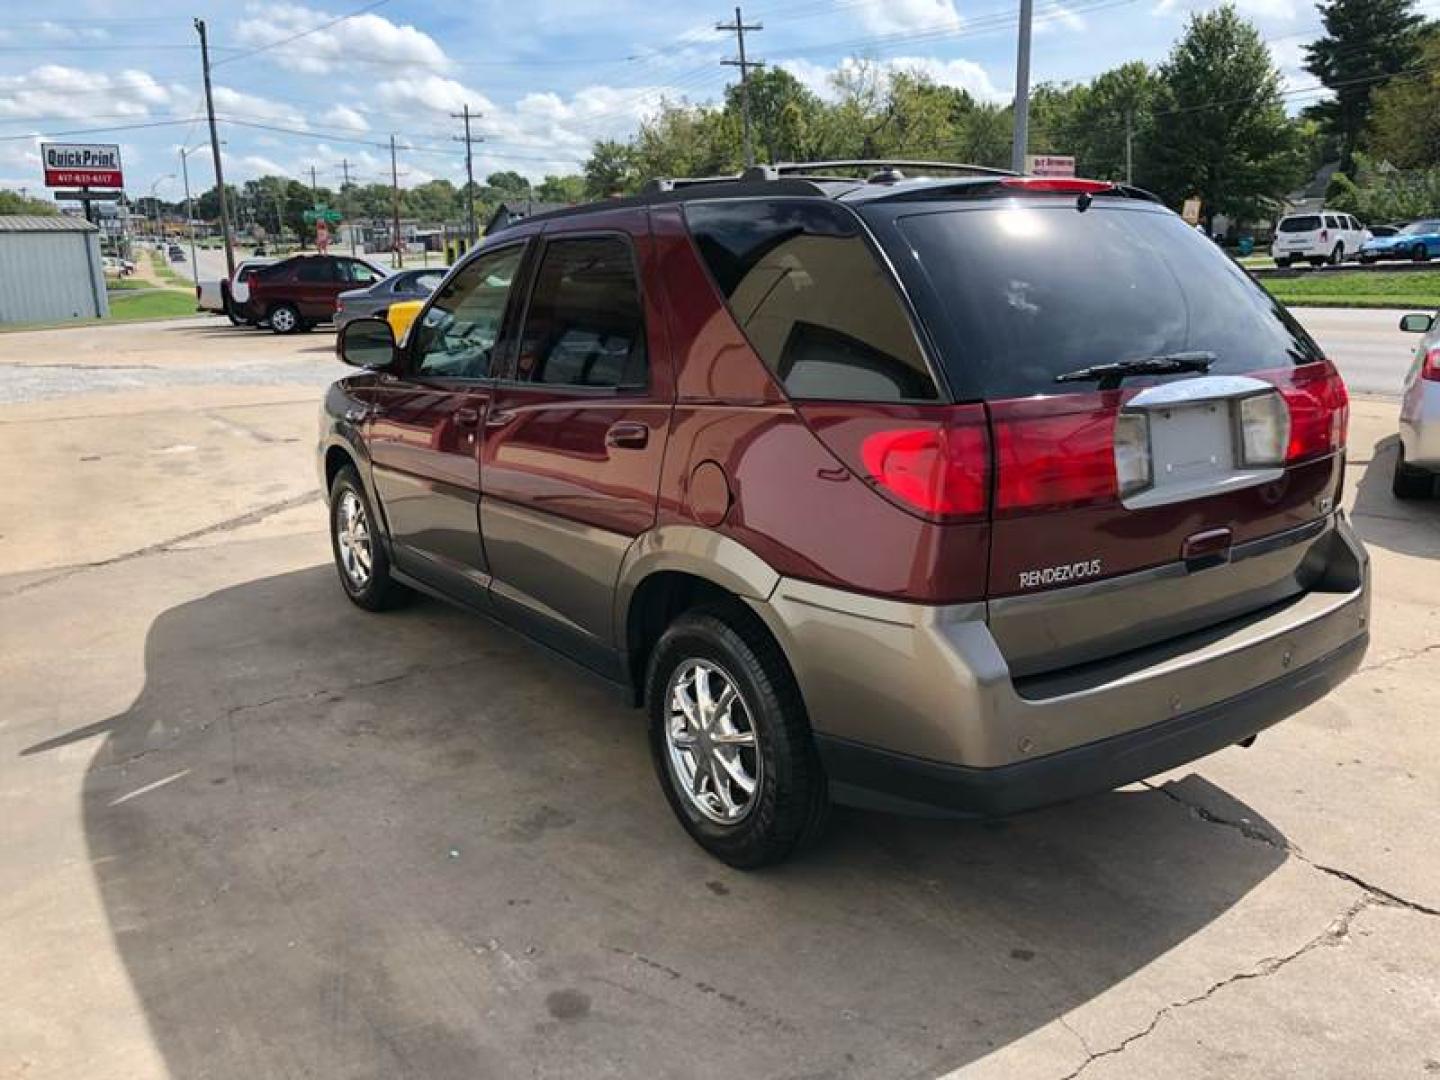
[[1416, 324], [366, 343]]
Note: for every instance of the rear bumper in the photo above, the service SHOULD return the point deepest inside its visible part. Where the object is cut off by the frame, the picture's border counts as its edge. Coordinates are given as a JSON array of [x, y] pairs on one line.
[[877, 779], [916, 706]]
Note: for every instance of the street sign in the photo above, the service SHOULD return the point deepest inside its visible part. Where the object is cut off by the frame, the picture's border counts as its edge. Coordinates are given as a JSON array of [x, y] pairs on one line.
[[82, 165], [323, 213], [1191, 212], [1049, 165], [86, 196]]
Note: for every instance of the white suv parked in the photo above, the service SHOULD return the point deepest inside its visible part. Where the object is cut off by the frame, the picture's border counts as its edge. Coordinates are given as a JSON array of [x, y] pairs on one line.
[[1322, 237]]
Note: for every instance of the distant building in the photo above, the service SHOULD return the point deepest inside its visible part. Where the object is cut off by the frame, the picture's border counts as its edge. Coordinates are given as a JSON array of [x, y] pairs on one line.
[[513, 210], [50, 270]]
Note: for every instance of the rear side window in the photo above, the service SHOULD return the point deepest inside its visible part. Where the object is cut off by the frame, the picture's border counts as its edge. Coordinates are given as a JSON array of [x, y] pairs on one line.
[[813, 299], [584, 325], [1304, 223], [313, 270], [1036, 290]]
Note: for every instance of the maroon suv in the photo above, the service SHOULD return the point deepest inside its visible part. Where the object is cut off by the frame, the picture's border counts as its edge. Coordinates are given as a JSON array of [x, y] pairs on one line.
[[298, 292], [962, 494]]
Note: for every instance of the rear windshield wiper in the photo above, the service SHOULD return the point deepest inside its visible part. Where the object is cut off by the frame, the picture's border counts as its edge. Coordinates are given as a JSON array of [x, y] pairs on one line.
[[1109, 375]]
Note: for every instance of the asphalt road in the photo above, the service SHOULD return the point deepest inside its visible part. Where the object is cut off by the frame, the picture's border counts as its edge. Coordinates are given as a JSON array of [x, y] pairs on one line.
[[247, 830], [1366, 345]]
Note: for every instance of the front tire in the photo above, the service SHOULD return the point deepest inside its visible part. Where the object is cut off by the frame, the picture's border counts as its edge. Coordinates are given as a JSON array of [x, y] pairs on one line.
[[1420, 253], [359, 548], [1283, 264], [1408, 482], [731, 740], [1338, 255], [285, 319]]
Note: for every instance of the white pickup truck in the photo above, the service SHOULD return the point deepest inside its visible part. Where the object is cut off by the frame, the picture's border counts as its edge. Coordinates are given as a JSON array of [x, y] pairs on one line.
[[215, 294]]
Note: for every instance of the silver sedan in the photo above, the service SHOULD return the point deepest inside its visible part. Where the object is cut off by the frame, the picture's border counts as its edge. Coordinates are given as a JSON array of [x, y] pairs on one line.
[[1418, 462], [374, 300]]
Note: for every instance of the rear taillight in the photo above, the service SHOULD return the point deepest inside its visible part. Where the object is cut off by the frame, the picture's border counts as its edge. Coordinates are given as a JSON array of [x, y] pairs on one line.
[[1319, 411], [1055, 452], [933, 460], [940, 471], [339, 305], [1430, 366], [1324, 235]]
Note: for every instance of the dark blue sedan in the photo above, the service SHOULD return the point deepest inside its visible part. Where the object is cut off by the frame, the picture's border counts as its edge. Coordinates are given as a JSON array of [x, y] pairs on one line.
[[1420, 240]]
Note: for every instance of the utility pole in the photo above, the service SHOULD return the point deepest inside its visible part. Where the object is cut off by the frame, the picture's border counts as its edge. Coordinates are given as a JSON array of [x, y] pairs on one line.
[[1129, 146], [1022, 89], [314, 191], [346, 193], [189, 214], [215, 152], [395, 207], [738, 28], [469, 174]]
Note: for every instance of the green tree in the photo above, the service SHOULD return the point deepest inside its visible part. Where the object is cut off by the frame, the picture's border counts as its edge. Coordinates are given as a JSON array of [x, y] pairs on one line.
[[1382, 193], [561, 189], [12, 202], [505, 185], [1405, 121], [1220, 130], [610, 169], [434, 201], [783, 116], [1091, 120], [1365, 42]]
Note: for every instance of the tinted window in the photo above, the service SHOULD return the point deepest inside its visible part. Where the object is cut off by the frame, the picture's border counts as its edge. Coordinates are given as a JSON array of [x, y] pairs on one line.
[[359, 273], [313, 270], [1033, 291], [1418, 228], [1305, 223], [813, 299], [584, 325], [458, 333]]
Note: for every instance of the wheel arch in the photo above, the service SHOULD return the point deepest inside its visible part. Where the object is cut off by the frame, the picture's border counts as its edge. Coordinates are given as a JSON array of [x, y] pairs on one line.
[[672, 569]]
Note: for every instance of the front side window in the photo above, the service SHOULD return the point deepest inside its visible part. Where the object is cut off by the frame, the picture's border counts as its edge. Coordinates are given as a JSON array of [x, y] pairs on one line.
[[813, 299], [361, 274], [584, 326], [457, 336]]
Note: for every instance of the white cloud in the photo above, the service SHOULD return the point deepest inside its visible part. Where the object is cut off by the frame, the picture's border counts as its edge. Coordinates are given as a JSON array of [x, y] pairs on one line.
[[904, 16], [965, 74], [345, 118], [1279, 10], [54, 90], [367, 38], [230, 102], [1058, 17]]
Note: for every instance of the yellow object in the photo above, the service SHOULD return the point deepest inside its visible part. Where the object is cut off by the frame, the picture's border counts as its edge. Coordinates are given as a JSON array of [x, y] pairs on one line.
[[401, 315]]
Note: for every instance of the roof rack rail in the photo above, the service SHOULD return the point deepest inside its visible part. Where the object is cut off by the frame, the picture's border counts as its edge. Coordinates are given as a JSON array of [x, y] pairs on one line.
[[881, 165], [675, 183]]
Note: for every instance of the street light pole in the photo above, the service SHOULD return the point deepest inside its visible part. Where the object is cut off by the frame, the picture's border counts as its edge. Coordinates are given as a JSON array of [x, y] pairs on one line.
[[1022, 90], [189, 215], [154, 202]]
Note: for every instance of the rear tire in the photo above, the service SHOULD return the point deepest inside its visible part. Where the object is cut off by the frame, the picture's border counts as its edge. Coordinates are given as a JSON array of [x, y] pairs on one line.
[[1338, 255], [1283, 264], [1409, 482], [285, 319], [762, 736], [359, 548], [1420, 253]]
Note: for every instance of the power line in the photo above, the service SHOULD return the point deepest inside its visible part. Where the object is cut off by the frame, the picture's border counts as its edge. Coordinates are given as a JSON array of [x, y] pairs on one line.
[[304, 33], [739, 28], [469, 173]]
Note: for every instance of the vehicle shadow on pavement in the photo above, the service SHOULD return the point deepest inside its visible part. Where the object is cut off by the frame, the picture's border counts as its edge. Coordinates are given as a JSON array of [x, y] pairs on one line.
[[1385, 521], [342, 845]]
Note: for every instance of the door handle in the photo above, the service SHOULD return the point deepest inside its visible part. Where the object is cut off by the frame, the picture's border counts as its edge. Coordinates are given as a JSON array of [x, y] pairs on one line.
[[498, 418], [465, 416], [627, 435]]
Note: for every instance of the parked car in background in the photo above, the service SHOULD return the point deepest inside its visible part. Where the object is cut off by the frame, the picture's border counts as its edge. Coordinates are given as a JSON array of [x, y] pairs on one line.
[[1319, 238], [401, 317], [113, 264], [1418, 461], [961, 495], [374, 300], [298, 292], [1386, 230], [1419, 241], [222, 295], [176, 253]]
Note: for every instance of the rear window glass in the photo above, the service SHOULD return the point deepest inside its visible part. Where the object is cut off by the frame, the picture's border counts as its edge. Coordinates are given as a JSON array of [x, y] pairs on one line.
[[1308, 223], [813, 299], [1034, 291]]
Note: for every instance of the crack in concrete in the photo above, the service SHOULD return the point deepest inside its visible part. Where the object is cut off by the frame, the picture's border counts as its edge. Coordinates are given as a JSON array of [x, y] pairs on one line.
[[250, 517], [1250, 832], [1398, 658], [1333, 935]]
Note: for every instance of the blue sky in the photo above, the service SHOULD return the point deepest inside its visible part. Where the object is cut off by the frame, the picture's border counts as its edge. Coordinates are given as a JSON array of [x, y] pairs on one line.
[[548, 76]]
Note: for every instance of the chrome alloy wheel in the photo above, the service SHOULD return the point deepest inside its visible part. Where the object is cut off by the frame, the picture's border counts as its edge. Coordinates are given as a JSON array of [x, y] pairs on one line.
[[352, 534], [283, 319], [711, 741]]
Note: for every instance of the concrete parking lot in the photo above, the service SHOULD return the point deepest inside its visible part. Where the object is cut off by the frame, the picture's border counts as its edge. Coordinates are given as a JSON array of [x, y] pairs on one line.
[[248, 831]]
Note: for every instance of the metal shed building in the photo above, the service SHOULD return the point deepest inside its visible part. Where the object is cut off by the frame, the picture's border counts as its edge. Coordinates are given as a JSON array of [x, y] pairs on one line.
[[50, 270]]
